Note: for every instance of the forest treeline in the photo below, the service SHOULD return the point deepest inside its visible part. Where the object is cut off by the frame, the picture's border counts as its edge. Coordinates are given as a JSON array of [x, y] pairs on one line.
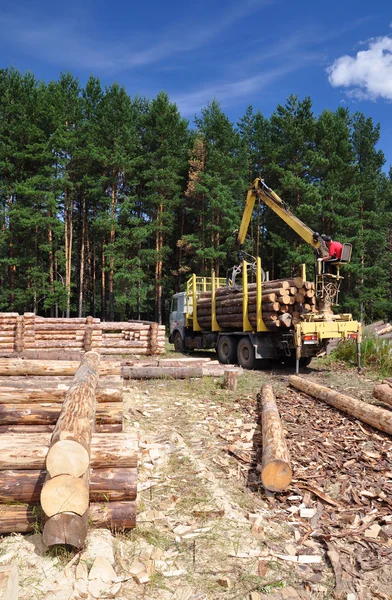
[[109, 202]]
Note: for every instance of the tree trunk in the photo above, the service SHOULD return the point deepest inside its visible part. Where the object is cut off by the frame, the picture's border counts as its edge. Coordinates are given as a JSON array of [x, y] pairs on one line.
[[103, 282], [276, 474], [51, 269], [112, 240], [68, 235], [158, 267], [82, 256]]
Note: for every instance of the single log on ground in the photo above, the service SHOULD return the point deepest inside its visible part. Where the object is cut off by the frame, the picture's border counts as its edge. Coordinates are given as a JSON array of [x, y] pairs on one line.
[[29, 451], [377, 417], [230, 379], [161, 372], [383, 392], [276, 473], [106, 484]]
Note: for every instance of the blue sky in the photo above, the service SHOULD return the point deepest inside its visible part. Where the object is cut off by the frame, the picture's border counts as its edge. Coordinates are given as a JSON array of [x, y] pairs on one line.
[[248, 52]]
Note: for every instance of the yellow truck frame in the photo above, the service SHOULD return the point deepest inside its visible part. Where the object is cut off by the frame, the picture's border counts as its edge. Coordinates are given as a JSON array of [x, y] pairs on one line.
[[314, 328]]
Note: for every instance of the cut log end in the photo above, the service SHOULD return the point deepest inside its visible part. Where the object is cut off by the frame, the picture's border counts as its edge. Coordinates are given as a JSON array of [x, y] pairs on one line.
[[64, 493], [67, 457], [276, 476]]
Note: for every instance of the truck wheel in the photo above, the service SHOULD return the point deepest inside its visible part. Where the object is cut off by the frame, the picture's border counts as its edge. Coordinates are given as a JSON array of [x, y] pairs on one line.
[[178, 342], [246, 354], [227, 350]]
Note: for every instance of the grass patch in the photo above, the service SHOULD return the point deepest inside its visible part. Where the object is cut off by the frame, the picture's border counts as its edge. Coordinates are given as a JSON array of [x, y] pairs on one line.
[[376, 354]]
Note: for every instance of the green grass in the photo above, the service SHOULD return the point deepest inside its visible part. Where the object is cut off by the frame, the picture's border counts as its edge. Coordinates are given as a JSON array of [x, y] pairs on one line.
[[376, 354]]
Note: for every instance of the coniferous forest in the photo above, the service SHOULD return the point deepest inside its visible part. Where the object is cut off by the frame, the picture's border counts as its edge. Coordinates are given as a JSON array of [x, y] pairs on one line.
[[109, 202]]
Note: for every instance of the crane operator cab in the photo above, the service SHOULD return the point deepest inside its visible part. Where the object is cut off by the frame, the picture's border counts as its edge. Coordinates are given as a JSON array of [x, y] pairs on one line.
[[328, 278]]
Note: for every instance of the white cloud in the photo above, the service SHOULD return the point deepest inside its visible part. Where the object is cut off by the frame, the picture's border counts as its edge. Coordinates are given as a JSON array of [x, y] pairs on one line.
[[368, 74]]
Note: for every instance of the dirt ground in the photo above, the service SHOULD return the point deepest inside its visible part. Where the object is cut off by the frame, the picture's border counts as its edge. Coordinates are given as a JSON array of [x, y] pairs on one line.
[[206, 528]]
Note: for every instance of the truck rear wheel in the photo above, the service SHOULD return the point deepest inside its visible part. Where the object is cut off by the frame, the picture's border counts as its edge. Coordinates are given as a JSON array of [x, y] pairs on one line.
[[178, 342], [227, 350], [246, 354]]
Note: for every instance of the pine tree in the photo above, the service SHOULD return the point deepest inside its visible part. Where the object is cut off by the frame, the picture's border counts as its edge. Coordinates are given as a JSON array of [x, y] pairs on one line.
[[222, 185], [165, 146]]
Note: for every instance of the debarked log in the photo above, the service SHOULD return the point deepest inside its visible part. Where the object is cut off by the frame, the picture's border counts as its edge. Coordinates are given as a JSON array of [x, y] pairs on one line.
[[106, 484], [29, 451], [377, 417], [48, 414], [99, 428], [276, 473], [17, 366], [383, 392], [22, 519], [17, 395]]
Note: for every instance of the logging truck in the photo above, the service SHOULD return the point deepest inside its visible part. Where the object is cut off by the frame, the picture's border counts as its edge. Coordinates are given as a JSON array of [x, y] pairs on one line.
[[256, 322]]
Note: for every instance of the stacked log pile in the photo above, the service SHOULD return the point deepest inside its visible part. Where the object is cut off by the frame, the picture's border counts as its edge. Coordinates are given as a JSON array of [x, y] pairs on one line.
[[30, 334], [142, 338], [283, 303], [8, 332], [380, 329], [78, 475], [33, 404]]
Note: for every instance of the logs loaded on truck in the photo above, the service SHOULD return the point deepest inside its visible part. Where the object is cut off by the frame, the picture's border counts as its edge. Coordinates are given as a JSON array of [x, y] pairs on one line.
[[289, 320]]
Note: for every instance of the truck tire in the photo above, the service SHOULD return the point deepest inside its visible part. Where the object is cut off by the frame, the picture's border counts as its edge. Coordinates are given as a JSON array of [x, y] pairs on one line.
[[178, 342], [246, 354], [227, 350]]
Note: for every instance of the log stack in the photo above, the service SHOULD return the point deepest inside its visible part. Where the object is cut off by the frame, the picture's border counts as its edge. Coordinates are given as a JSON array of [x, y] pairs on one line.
[[32, 393], [8, 331], [283, 303], [126, 338], [30, 334], [79, 476]]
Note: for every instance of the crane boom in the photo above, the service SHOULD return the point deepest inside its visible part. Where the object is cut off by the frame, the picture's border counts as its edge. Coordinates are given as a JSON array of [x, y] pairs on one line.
[[261, 190]]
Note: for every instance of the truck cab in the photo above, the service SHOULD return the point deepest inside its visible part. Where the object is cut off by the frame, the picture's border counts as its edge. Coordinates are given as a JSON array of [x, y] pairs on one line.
[[178, 312]]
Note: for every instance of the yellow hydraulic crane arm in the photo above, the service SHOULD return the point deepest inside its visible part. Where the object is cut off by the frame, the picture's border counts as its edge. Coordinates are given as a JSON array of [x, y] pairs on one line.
[[271, 199]]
